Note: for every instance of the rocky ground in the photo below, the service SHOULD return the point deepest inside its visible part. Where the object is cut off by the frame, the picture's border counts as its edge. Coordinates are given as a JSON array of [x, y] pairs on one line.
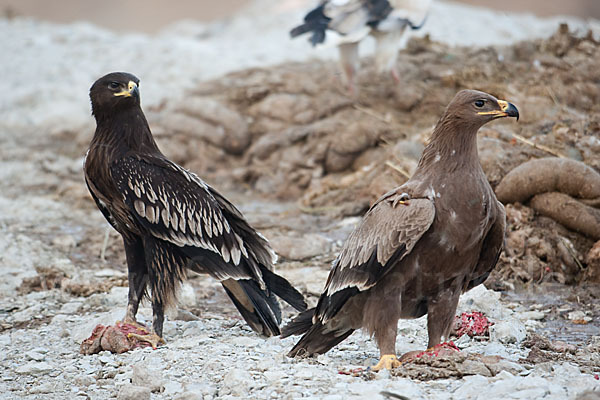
[[303, 160]]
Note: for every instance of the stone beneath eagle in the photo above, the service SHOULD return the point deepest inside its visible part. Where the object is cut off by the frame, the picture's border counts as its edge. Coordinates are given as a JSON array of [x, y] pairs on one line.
[[419, 246], [353, 20], [170, 220]]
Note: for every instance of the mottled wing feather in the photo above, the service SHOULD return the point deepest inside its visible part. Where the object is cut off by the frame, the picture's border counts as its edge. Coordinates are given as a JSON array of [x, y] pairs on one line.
[[255, 241], [174, 205], [389, 227]]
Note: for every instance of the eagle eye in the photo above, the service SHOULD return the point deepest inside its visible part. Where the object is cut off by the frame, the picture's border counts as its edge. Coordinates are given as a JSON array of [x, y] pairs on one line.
[[479, 103], [114, 85]]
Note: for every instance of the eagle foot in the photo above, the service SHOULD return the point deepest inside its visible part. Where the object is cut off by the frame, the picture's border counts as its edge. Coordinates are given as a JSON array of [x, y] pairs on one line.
[[387, 361]]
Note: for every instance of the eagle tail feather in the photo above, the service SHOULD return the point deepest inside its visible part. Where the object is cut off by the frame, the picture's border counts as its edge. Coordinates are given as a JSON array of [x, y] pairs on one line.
[[319, 340], [299, 325], [260, 310], [282, 288]]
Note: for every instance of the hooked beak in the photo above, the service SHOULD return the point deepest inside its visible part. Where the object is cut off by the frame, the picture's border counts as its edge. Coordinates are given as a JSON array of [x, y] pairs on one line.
[[132, 90], [506, 110]]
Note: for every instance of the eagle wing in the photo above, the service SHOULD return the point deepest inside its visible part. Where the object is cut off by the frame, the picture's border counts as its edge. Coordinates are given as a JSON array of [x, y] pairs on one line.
[[490, 249], [174, 205], [388, 232]]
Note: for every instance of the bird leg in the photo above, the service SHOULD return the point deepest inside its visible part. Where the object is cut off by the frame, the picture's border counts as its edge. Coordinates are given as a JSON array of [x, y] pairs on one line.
[[386, 51], [158, 317], [152, 336], [395, 74], [349, 62], [440, 315], [138, 279], [386, 340], [137, 276]]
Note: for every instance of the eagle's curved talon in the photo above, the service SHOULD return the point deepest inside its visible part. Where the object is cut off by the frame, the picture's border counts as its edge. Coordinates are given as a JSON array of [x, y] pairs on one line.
[[387, 361]]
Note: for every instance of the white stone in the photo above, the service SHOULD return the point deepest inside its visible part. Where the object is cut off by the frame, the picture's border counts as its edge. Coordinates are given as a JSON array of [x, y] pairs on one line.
[[147, 377], [172, 387], [579, 315], [34, 368], [34, 355], [71, 307], [131, 392], [508, 331], [304, 373], [237, 381], [274, 375], [531, 315]]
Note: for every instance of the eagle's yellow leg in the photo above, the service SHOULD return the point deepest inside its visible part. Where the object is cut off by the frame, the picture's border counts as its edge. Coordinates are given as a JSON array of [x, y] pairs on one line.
[[387, 361]]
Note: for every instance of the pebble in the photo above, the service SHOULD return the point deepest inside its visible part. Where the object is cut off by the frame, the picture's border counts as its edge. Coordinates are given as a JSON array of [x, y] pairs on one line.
[[35, 355], [146, 377], [189, 396], [508, 331], [237, 382], [304, 374], [531, 315], [42, 388], [131, 392], [273, 376], [171, 388], [578, 316], [34, 368]]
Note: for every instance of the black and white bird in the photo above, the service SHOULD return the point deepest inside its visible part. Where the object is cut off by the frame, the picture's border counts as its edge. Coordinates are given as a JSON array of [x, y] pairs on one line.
[[353, 20], [170, 220]]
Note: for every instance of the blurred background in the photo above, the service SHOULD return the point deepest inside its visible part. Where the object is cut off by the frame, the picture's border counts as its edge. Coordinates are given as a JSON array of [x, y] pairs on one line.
[[152, 15]]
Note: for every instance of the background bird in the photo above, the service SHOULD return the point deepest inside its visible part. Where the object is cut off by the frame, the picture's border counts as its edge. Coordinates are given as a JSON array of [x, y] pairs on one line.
[[353, 20], [171, 220], [419, 246]]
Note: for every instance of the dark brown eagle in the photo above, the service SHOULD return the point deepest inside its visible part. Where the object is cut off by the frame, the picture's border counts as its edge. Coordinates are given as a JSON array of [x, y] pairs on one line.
[[419, 246], [171, 220]]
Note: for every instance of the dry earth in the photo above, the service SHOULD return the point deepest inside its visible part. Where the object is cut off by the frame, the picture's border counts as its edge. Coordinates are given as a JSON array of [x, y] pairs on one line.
[[304, 160]]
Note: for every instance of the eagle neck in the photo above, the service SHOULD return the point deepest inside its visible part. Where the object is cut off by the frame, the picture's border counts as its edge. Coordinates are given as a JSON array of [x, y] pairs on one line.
[[451, 149], [125, 131]]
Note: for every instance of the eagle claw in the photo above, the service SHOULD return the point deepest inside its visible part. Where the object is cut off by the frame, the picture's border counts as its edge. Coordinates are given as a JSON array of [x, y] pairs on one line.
[[387, 361]]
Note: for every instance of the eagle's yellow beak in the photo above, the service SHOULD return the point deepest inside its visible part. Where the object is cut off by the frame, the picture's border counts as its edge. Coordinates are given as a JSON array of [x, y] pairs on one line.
[[132, 89], [506, 110]]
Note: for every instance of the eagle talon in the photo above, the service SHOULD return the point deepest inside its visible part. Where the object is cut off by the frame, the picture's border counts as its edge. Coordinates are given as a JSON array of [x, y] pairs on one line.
[[387, 361]]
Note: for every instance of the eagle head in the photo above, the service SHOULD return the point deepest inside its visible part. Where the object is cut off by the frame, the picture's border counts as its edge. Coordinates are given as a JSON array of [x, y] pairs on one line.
[[113, 92]]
